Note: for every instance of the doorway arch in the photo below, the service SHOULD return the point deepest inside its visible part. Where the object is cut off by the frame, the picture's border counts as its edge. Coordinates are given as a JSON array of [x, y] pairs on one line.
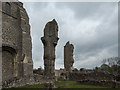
[[9, 63]]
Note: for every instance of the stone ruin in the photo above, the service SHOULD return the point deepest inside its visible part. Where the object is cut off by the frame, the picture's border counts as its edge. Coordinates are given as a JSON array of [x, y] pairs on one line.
[[16, 41], [98, 78], [17, 67], [95, 75], [16, 46], [68, 57], [50, 40]]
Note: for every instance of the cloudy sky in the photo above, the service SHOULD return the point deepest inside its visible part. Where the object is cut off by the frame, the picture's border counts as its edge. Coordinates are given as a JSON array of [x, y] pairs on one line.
[[92, 28]]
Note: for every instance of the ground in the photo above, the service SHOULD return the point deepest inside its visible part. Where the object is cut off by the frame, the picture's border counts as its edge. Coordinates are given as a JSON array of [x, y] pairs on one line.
[[62, 84]]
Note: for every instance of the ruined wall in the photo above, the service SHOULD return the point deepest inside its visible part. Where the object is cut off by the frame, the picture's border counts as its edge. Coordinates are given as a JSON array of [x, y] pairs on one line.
[[58, 73], [68, 57], [90, 76], [104, 83], [97, 78], [16, 37], [26, 42], [0, 45], [50, 40], [11, 34]]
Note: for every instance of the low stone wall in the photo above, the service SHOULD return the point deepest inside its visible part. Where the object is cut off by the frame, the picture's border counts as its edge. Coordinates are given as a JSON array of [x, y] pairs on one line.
[[25, 80], [95, 78], [106, 83], [90, 76]]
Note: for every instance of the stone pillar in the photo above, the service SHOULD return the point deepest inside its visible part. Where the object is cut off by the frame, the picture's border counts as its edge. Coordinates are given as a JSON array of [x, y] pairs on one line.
[[49, 41], [68, 57]]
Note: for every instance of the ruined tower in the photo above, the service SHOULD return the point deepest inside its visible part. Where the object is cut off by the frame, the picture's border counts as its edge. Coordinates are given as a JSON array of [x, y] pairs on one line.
[[50, 40], [16, 41], [68, 57]]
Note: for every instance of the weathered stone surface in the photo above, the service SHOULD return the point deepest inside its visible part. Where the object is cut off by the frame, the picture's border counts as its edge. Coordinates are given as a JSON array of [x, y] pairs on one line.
[[26, 80], [38, 71], [68, 57], [105, 83], [16, 42], [91, 76], [0, 45], [49, 85], [0, 68], [50, 40]]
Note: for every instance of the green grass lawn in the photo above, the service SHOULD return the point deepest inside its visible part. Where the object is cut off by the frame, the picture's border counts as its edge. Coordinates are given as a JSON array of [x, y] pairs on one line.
[[82, 86], [65, 82], [30, 86], [75, 84], [33, 86], [62, 84]]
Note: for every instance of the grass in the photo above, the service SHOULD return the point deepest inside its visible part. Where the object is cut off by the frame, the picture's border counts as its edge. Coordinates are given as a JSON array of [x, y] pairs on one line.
[[64, 82], [29, 86], [61, 84], [75, 84], [82, 86], [33, 86]]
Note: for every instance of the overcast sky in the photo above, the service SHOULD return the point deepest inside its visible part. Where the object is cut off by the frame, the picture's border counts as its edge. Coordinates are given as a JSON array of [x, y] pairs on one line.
[[91, 27]]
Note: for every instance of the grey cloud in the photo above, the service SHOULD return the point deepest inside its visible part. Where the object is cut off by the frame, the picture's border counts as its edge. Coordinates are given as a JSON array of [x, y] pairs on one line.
[[91, 27], [90, 9], [87, 62]]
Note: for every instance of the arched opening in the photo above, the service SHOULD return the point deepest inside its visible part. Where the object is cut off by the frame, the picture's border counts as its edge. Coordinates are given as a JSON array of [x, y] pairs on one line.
[[8, 7], [9, 63]]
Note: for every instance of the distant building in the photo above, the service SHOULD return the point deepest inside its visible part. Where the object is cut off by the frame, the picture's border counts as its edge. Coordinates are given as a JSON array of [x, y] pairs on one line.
[[58, 72]]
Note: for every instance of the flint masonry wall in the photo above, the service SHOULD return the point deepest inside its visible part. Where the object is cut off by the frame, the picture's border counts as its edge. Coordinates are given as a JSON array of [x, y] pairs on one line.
[[11, 34], [68, 57], [95, 78], [26, 42], [50, 40], [16, 42], [91, 76]]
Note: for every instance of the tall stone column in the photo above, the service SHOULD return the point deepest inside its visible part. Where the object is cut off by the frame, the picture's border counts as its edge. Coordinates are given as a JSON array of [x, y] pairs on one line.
[[68, 57], [50, 40]]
